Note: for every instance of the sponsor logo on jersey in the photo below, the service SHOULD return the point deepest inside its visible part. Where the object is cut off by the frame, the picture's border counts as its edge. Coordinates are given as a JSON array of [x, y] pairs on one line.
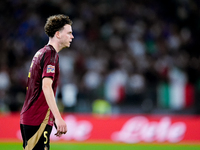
[[50, 69]]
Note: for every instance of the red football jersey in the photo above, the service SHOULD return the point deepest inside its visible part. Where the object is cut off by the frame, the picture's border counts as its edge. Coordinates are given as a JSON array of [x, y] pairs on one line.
[[45, 63]]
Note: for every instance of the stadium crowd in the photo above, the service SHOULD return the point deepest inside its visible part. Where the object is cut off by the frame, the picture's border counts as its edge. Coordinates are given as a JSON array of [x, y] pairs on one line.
[[122, 51]]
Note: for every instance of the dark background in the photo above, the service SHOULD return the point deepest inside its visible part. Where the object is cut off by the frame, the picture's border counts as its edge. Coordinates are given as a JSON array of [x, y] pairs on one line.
[[138, 42]]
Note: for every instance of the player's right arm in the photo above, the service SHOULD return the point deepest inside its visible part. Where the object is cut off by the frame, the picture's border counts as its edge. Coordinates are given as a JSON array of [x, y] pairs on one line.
[[50, 98]]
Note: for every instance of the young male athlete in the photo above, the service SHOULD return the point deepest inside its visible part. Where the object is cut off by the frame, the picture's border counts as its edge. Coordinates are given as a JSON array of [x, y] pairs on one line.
[[40, 112]]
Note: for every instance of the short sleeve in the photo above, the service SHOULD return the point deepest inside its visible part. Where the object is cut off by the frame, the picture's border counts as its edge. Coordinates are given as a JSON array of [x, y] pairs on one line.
[[49, 64]]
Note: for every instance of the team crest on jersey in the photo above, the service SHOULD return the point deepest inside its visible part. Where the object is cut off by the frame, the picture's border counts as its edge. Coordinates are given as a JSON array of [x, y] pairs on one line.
[[50, 69]]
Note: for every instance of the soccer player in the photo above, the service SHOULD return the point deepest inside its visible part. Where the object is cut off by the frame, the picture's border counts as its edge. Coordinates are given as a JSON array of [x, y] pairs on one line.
[[40, 112]]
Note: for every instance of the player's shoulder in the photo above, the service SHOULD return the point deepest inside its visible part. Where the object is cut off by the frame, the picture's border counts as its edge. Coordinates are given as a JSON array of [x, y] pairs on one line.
[[49, 50], [46, 51], [41, 51], [50, 53]]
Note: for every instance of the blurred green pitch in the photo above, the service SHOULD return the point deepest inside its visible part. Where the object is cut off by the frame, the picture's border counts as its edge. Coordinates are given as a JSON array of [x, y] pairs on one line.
[[106, 146]]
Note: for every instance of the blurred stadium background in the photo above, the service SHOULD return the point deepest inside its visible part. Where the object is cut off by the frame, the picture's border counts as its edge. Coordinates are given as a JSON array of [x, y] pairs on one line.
[[128, 57]]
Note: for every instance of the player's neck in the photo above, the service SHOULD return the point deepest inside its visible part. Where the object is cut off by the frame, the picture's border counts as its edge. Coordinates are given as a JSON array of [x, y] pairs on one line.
[[54, 44]]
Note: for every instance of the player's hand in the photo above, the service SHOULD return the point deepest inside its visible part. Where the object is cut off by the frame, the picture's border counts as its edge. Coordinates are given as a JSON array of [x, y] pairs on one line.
[[61, 127], [58, 134]]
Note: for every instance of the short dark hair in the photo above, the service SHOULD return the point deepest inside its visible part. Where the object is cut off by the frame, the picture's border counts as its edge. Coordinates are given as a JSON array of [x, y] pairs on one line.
[[55, 23]]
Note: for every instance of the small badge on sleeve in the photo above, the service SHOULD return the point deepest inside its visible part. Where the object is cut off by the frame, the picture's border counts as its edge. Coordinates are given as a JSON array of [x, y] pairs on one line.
[[50, 69]]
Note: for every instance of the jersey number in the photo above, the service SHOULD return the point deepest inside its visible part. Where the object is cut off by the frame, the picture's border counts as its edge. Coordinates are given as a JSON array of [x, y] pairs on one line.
[[45, 135]]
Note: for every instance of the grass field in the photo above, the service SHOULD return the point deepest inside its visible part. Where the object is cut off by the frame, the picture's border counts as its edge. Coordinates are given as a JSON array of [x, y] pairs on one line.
[[101, 146]]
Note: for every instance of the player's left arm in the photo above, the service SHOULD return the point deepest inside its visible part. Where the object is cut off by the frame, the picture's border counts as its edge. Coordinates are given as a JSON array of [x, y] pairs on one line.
[[50, 98]]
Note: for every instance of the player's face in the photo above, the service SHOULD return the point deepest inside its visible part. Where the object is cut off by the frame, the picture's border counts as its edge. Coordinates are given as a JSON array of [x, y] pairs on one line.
[[66, 36]]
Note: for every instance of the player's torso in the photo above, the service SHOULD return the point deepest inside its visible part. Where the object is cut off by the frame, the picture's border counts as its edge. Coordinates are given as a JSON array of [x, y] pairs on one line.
[[35, 106]]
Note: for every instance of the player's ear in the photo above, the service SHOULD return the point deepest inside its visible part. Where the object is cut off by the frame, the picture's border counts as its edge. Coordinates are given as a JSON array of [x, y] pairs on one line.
[[57, 34]]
